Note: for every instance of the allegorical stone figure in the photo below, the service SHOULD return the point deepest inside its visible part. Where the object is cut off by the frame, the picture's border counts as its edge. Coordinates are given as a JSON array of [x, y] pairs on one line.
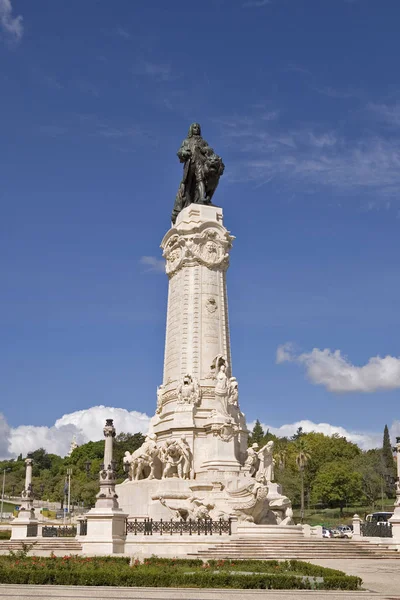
[[201, 172], [266, 467]]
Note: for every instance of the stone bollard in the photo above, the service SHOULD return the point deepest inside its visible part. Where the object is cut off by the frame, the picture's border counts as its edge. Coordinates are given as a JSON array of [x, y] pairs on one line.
[[234, 525], [356, 528]]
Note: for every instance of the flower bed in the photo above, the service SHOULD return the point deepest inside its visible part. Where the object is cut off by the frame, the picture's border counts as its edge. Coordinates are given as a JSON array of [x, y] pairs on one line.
[[156, 572]]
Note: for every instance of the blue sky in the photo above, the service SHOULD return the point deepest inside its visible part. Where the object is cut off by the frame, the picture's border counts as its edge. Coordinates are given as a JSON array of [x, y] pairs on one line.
[[301, 99]]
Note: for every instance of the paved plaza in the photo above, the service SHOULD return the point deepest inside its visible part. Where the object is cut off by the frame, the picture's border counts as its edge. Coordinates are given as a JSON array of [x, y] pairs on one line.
[[27, 592], [379, 576]]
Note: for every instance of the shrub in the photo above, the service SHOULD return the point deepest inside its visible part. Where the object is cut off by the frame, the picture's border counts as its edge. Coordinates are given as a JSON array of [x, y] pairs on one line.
[[155, 572]]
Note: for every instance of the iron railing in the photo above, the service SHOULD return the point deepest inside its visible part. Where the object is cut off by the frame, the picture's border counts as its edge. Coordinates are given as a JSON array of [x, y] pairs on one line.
[[83, 527], [376, 530], [181, 527], [66, 531], [32, 530]]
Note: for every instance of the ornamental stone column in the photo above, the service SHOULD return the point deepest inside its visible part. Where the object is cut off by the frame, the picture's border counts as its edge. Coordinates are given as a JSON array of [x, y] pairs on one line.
[[196, 250], [27, 493], [106, 522], [25, 525], [197, 345], [107, 498]]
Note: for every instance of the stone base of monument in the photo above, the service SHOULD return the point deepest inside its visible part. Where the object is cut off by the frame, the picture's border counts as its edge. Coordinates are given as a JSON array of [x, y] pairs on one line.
[[106, 532], [395, 521], [271, 531], [170, 546], [24, 526]]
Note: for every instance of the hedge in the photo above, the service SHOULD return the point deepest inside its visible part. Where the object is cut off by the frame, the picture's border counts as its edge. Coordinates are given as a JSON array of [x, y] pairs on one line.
[[155, 572], [99, 577]]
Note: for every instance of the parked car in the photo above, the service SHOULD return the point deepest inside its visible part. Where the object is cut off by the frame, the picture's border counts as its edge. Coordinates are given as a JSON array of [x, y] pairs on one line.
[[326, 533], [335, 532], [345, 531]]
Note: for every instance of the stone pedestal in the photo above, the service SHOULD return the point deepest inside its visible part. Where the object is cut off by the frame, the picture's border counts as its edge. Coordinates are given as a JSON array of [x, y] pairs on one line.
[[25, 525], [106, 521], [105, 532], [356, 528], [395, 520]]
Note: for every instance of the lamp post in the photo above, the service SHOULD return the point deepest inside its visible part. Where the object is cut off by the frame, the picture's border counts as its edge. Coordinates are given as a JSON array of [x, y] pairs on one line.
[[69, 473]]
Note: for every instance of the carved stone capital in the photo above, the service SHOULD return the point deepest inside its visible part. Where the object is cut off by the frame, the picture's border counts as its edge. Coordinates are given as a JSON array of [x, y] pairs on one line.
[[209, 247]]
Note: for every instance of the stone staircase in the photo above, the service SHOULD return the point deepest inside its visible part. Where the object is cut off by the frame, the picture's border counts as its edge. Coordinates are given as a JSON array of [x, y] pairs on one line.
[[301, 549], [66, 545]]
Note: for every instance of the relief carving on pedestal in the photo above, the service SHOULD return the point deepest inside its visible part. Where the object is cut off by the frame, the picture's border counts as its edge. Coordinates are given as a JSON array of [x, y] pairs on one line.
[[209, 248], [226, 431], [211, 305], [189, 391]]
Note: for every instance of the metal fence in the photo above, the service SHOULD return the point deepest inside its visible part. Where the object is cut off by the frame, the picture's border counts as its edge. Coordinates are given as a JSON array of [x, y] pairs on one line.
[[32, 530], [376, 530], [181, 527], [83, 527], [49, 531]]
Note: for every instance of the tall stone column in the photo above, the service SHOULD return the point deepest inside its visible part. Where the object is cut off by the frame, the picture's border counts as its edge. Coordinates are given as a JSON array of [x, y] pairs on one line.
[[27, 494], [106, 531], [196, 250], [25, 525], [198, 396], [395, 520], [107, 498]]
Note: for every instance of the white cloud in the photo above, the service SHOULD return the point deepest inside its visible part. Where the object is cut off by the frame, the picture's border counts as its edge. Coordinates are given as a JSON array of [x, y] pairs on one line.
[[314, 157], [364, 440], [85, 424], [153, 264], [388, 113], [11, 26], [337, 374]]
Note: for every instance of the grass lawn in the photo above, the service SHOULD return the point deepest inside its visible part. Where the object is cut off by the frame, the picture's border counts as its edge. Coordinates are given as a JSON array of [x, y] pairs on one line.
[[160, 572], [330, 517], [8, 507]]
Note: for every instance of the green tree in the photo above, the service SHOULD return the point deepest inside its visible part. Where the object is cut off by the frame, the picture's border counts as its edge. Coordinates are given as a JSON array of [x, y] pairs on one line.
[[387, 451], [336, 485], [302, 458], [257, 435], [369, 465], [388, 465]]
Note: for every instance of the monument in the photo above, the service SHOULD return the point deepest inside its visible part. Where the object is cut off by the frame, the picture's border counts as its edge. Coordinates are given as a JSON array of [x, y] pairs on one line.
[[106, 521], [195, 462], [25, 524]]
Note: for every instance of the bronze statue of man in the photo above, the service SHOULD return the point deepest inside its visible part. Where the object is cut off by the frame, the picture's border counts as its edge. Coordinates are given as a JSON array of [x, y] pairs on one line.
[[201, 172]]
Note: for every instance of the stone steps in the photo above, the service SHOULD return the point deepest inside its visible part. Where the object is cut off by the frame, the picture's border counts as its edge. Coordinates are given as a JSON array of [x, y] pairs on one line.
[[262, 549], [48, 544]]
